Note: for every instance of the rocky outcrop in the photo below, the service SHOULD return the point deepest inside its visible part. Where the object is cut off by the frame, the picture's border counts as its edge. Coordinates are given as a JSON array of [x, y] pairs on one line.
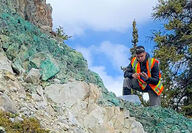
[[36, 11], [81, 99], [30, 48], [64, 108], [73, 107]]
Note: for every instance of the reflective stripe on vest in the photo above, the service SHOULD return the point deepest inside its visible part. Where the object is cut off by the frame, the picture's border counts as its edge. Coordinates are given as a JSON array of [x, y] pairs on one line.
[[149, 65]]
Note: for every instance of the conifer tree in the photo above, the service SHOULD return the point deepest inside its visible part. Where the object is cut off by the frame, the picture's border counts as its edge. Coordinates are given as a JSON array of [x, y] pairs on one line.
[[135, 39], [133, 53], [174, 49], [60, 33]]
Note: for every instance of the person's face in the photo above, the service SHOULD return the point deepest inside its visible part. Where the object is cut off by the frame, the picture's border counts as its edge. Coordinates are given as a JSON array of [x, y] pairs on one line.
[[141, 57]]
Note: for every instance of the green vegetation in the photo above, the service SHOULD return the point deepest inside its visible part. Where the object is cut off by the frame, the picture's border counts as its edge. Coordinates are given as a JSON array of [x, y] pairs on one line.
[[28, 125], [133, 54], [174, 49], [135, 40], [60, 33]]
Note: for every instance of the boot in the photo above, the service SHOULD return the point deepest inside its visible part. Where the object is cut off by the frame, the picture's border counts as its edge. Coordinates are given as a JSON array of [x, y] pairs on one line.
[[126, 91]]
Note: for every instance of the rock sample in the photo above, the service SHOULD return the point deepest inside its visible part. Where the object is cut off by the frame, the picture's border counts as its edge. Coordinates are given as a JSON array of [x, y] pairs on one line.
[[131, 98]]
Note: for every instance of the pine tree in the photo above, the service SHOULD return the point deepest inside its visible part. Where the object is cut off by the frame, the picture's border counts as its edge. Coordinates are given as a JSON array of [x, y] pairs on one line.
[[135, 39], [133, 54], [60, 33], [174, 49]]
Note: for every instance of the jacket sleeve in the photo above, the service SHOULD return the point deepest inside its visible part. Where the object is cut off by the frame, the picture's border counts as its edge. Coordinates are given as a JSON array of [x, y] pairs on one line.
[[129, 71], [154, 75]]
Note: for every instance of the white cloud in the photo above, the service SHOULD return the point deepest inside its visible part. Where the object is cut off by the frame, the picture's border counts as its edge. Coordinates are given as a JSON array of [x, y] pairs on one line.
[[113, 84], [118, 55], [103, 15]]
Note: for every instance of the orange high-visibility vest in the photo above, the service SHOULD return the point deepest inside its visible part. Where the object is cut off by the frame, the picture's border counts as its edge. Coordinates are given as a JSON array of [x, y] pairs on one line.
[[149, 65]]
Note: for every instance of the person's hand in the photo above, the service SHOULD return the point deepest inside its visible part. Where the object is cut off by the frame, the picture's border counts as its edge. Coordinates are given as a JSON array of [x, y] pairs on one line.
[[135, 75], [144, 75]]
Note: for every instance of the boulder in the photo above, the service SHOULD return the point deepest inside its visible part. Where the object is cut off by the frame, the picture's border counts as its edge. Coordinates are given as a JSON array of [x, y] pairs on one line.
[[48, 69], [67, 94], [5, 64], [81, 109], [7, 104], [2, 130], [33, 76], [131, 98]]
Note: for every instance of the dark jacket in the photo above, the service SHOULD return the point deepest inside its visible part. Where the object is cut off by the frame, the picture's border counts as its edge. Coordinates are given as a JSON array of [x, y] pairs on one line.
[[154, 71]]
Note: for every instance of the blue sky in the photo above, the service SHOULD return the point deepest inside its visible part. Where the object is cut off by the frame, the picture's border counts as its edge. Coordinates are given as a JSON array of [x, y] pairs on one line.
[[102, 31]]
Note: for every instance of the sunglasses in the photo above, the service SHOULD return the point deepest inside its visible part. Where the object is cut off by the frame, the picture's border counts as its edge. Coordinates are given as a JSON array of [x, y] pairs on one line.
[[140, 50]]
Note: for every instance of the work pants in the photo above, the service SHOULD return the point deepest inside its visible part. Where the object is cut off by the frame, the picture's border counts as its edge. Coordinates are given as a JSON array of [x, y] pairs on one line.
[[132, 83]]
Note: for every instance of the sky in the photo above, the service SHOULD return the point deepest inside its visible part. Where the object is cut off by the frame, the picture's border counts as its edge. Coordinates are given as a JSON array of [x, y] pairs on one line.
[[102, 31]]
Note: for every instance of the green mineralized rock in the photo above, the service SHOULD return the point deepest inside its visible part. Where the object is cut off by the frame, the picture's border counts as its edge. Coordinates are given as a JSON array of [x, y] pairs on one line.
[[12, 51], [160, 120], [109, 99], [27, 47], [48, 69], [154, 119], [17, 66], [4, 41]]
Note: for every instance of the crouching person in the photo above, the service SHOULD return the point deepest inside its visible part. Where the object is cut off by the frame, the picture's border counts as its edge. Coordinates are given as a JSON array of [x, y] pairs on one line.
[[143, 75]]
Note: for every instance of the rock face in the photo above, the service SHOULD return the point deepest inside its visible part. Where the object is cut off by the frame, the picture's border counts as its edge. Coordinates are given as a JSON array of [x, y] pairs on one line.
[[38, 78], [36, 11], [30, 48], [66, 108], [81, 100], [63, 108]]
